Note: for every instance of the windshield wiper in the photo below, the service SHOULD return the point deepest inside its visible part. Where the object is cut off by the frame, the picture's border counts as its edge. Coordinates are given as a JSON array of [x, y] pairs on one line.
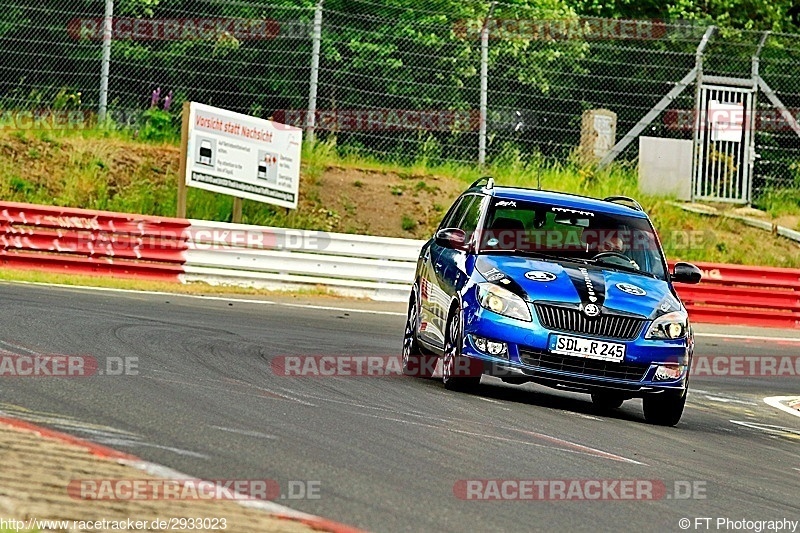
[[536, 255], [526, 253]]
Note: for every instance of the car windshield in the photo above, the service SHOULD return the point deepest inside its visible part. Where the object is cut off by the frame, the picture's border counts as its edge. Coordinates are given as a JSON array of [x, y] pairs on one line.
[[616, 241]]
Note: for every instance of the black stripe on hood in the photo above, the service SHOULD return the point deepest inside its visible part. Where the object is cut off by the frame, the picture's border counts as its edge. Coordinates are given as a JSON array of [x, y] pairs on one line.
[[589, 282]]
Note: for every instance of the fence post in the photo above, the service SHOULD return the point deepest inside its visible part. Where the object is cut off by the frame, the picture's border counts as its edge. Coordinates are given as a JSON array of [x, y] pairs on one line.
[[699, 122], [484, 85], [753, 123], [312, 88], [106, 61]]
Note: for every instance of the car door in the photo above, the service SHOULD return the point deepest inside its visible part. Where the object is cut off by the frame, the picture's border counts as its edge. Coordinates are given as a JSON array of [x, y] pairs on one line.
[[449, 264], [430, 330]]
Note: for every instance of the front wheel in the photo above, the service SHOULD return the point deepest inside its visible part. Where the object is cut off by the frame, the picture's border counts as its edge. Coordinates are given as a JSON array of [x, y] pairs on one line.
[[459, 373], [606, 401], [664, 409]]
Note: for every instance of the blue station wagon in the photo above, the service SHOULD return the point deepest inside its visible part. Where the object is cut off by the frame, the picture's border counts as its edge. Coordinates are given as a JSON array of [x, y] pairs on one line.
[[562, 290]]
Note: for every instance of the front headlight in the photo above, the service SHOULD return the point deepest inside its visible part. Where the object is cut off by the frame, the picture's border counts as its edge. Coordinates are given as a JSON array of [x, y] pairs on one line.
[[670, 326], [503, 302]]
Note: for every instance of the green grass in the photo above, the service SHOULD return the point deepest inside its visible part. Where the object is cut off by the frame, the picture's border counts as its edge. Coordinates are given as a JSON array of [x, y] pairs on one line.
[[87, 163], [408, 223], [779, 202]]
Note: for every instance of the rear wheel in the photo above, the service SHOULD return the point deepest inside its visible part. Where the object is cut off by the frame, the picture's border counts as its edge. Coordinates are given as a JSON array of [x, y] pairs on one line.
[[459, 373], [606, 401], [664, 409], [415, 363]]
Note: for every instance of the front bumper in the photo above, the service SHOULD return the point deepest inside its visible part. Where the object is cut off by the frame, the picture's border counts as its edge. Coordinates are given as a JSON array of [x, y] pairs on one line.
[[529, 359]]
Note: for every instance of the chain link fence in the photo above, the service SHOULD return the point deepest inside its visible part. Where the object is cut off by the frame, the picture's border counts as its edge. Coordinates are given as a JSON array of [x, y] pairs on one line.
[[401, 80]]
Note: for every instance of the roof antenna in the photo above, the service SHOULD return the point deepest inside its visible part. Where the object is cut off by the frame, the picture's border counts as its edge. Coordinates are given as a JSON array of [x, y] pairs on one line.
[[539, 176]]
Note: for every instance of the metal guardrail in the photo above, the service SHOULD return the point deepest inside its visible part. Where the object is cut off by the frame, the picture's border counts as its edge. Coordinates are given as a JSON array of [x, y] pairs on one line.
[[382, 268]]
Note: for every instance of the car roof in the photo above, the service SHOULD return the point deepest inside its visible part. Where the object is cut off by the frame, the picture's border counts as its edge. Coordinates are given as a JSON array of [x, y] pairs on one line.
[[572, 201]]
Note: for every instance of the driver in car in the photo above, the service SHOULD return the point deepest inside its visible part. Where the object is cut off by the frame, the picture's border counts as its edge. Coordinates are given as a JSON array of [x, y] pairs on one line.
[[612, 243], [615, 247]]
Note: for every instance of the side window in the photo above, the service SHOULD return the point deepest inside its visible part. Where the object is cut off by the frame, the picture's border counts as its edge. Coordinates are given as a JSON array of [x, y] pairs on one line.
[[456, 213], [469, 222]]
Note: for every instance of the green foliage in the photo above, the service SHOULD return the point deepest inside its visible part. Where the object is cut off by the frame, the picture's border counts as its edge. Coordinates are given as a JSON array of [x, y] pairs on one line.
[[158, 125], [779, 202], [408, 223], [775, 15], [67, 99]]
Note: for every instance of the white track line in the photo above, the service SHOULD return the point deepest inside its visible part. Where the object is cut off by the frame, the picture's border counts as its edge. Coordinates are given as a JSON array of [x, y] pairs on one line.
[[775, 401], [747, 337], [168, 473], [201, 297]]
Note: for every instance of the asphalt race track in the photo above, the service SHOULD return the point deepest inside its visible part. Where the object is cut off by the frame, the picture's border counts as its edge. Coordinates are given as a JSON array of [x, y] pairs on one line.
[[388, 451]]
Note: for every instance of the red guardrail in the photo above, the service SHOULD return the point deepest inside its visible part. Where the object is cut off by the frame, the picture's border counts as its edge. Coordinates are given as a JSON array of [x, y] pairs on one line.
[[744, 295], [82, 241]]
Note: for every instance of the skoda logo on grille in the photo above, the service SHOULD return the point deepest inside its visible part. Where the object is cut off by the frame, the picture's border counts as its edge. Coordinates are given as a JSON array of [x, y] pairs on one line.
[[591, 310]]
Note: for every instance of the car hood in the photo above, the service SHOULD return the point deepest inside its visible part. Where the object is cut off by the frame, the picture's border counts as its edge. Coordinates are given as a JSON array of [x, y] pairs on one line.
[[578, 283]]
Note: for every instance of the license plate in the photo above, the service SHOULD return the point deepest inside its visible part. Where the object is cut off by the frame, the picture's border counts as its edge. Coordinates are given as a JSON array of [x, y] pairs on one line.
[[590, 349]]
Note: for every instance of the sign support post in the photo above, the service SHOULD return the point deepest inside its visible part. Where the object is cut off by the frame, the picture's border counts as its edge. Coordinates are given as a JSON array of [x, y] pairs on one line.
[[181, 204]]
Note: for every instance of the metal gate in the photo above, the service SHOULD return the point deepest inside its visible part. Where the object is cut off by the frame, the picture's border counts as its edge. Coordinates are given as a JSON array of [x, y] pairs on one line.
[[724, 144]]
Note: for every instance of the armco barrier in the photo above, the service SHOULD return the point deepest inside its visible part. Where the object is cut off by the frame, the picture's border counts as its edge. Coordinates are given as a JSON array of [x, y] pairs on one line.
[[81, 241], [382, 268]]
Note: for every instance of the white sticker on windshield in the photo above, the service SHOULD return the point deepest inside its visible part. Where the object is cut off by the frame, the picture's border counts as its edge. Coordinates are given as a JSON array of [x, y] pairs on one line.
[[567, 210]]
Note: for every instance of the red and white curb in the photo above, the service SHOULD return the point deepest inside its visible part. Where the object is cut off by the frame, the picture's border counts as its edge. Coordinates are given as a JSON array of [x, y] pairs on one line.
[[273, 509]]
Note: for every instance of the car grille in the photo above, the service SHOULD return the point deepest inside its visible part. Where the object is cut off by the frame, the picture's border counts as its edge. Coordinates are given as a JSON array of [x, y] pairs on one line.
[[572, 320], [580, 365]]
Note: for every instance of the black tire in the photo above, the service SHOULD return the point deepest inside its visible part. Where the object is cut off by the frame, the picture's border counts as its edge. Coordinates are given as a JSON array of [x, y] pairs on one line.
[[664, 409], [455, 365], [415, 363], [607, 401]]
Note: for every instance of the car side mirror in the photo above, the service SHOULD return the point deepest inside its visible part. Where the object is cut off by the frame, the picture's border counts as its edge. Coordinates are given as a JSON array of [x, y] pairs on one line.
[[453, 238], [686, 273]]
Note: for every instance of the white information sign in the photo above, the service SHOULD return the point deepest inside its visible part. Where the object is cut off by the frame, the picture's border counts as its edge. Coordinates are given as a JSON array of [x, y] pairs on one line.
[[239, 155], [727, 121]]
